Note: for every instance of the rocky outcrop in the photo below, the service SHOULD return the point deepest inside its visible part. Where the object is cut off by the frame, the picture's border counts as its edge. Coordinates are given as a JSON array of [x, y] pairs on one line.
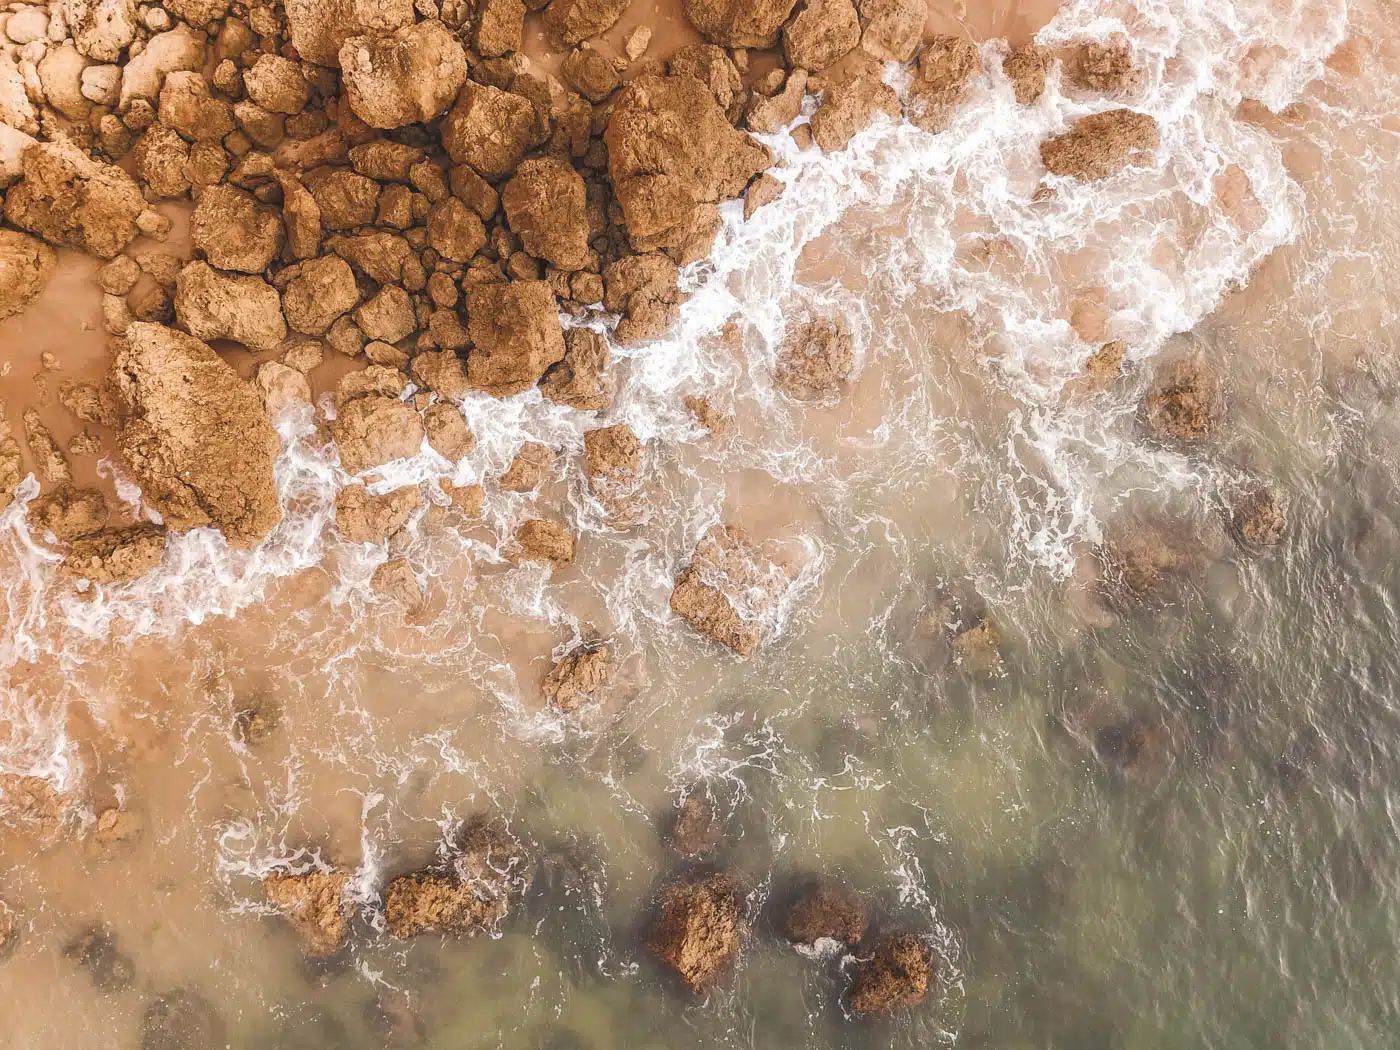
[[49, 461], [101, 28], [1184, 403], [823, 32], [276, 84], [363, 518], [738, 23], [319, 28], [539, 540], [69, 512], [73, 201], [196, 437], [570, 21], [1026, 67], [769, 114], [1107, 67], [644, 289], [546, 205], [673, 154], [371, 431], [713, 67], [314, 904], [581, 380], [891, 29], [26, 265], [515, 335], [1103, 144], [578, 677], [1256, 519], [725, 564], [500, 26], [410, 76], [488, 873], [942, 82], [211, 305], [815, 359], [896, 973], [447, 431], [115, 555], [823, 909], [529, 469], [849, 106], [490, 130], [698, 927], [234, 231]]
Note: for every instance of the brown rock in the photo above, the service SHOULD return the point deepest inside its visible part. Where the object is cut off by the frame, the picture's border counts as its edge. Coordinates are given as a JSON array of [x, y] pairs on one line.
[[410, 76], [386, 161], [346, 200], [815, 359], [115, 555], [276, 84], [162, 157], [698, 927], [234, 231], [771, 114], [469, 499], [591, 73], [1103, 144], [581, 380], [388, 316], [321, 290], [530, 468], [577, 677], [89, 402], [543, 541], [443, 373], [822, 32], [848, 107], [371, 431], [211, 305], [474, 191], [713, 67], [645, 290], [199, 13], [516, 334], [69, 512], [709, 417], [892, 28], [944, 79], [977, 648], [1256, 519], [396, 581], [1026, 67], [363, 518], [763, 190], [822, 908], [490, 130], [301, 217], [1107, 67], [314, 904], [489, 873], [187, 105], [896, 973], [73, 201], [500, 27], [1106, 363], [319, 28], [738, 23], [48, 459], [1142, 564], [280, 387], [695, 831], [447, 431], [546, 205], [1184, 402], [382, 257], [26, 265], [725, 561], [570, 21], [611, 452], [375, 380], [454, 231]]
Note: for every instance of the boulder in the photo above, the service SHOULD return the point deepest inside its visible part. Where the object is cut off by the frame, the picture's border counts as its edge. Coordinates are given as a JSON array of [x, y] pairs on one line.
[[1106, 363], [162, 161], [673, 154], [61, 77], [320, 28], [1143, 563], [101, 28], [815, 359], [442, 372], [49, 461], [321, 290], [1256, 519], [1103, 144], [738, 23], [182, 48], [363, 518], [16, 109], [539, 540], [823, 909], [823, 32], [389, 316], [115, 555], [1107, 67], [1184, 403], [892, 28], [314, 904], [371, 431], [546, 205], [713, 67], [234, 231], [977, 648], [698, 927], [581, 380], [895, 973], [500, 27], [199, 13], [346, 200], [469, 499], [487, 875], [447, 431], [454, 230], [195, 436], [515, 334], [947, 68], [1026, 67], [281, 386], [73, 201], [577, 677], [187, 105], [769, 114], [570, 21], [396, 581], [762, 192], [529, 469], [382, 257], [96, 950], [611, 453], [386, 161], [645, 290], [211, 305], [276, 84], [301, 217], [590, 72], [69, 512], [1138, 745], [695, 831], [408, 77], [26, 266], [490, 130], [724, 565], [849, 106]]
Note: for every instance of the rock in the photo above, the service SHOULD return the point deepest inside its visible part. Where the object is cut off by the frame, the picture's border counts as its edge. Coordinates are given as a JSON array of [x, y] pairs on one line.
[[896, 973], [455, 232], [1138, 745], [1184, 403], [1026, 67], [771, 114], [469, 499], [637, 42], [823, 32], [371, 431], [892, 28], [26, 266], [180, 49], [611, 453], [382, 257], [388, 316], [1143, 562], [738, 23], [709, 417], [101, 28], [115, 555], [61, 75], [645, 290], [301, 217], [723, 564], [713, 67], [1107, 67], [490, 130], [321, 290], [546, 205], [1103, 144], [848, 107], [314, 904], [195, 436], [698, 927], [1256, 520], [386, 161], [447, 431], [407, 77], [1106, 363], [530, 468], [500, 27], [581, 380], [488, 874], [73, 201], [276, 84], [234, 231], [762, 191], [199, 13], [589, 72], [319, 28], [815, 359], [117, 827], [823, 909], [162, 160], [570, 21], [102, 84], [947, 68], [577, 677], [543, 541], [187, 106], [95, 950], [443, 373], [280, 387], [977, 649], [27, 25], [13, 144], [396, 581], [695, 831], [48, 459], [516, 335], [346, 200], [363, 518], [181, 1020], [474, 191], [16, 109], [69, 512], [211, 305], [375, 380]]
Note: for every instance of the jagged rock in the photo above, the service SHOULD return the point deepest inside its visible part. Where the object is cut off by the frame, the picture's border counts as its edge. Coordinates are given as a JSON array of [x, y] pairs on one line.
[[815, 359], [382, 257], [187, 105], [611, 452], [211, 305], [447, 431], [529, 469], [896, 973], [581, 380], [1137, 746], [713, 67], [407, 77], [454, 230], [977, 648], [589, 72], [943, 82], [546, 205], [443, 373], [892, 28], [577, 677], [346, 200], [234, 231], [1256, 519], [301, 217], [16, 109], [48, 459], [375, 380], [469, 499], [13, 143], [319, 28], [672, 155], [724, 564], [198, 13], [764, 190], [474, 191], [515, 333], [570, 21], [1103, 144], [823, 32], [73, 201], [363, 518], [276, 84], [319, 291], [1026, 67], [388, 316], [195, 436], [280, 386], [386, 161], [1107, 67], [698, 927], [69, 512], [115, 555], [823, 909], [371, 431], [769, 114], [162, 158], [738, 23], [181, 1020], [1106, 363], [314, 904], [645, 290], [709, 417], [182, 48], [543, 541], [848, 107], [26, 266], [500, 27], [396, 581], [490, 130], [488, 875], [695, 831], [1144, 562], [1184, 403], [11, 461], [101, 28]]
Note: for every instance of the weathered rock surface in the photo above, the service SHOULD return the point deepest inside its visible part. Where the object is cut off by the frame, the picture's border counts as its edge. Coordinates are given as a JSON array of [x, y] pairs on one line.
[[69, 512], [73, 201], [276, 84], [892, 28], [396, 581], [234, 231], [1026, 67], [188, 106], [1103, 144], [738, 23], [1256, 519], [101, 28], [591, 73], [769, 114], [488, 874], [713, 67], [1143, 563], [196, 437], [698, 927], [943, 81], [1106, 363], [371, 431], [849, 106], [211, 305], [570, 21], [696, 831], [364, 518], [977, 648], [546, 205], [823, 908], [314, 904], [447, 431], [26, 265], [1184, 402], [490, 130], [529, 469], [115, 555], [645, 290], [442, 372], [319, 28], [409, 76], [515, 334], [724, 564], [500, 27], [611, 452], [389, 316], [896, 973], [1107, 67], [815, 359], [280, 386], [319, 291], [49, 461], [543, 541], [581, 380], [346, 199], [577, 678], [823, 32]]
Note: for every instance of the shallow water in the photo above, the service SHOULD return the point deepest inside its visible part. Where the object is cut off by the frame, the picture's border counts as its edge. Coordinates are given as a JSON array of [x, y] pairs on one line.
[[1236, 888]]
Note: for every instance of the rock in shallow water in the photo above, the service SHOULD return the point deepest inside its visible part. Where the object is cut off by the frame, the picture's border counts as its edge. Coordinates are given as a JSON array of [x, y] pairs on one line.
[[1103, 144], [314, 904], [698, 927], [823, 908], [26, 266], [895, 973]]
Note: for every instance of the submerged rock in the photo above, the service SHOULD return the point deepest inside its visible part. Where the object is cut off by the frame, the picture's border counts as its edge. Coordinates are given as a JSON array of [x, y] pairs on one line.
[[725, 564], [1184, 403], [977, 649], [543, 541], [69, 512], [578, 676], [487, 877], [181, 1020], [73, 201], [396, 581], [314, 904], [1027, 67], [115, 555], [895, 973], [26, 266], [698, 927], [95, 950], [738, 23], [1137, 745], [1256, 519], [1142, 563], [815, 359], [363, 518], [823, 909], [529, 469], [1103, 144], [696, 831]]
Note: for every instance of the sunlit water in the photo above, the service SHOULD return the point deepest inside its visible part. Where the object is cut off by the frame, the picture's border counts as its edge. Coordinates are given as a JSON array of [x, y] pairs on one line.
[[1237, 889]]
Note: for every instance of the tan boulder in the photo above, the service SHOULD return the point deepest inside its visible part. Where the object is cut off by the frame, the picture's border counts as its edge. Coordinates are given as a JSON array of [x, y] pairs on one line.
[[115, 555], [211, 305], [546, 205], [698, 927], [488, 874], [447, 431], [364, 518], [590, 72], [1103, 144], [1256, 518], [713, 67], [490, 129], [570, 21], [454, 230], [578, 677], [234, 231], [49, 461], [182, 48], [442, 372], [371, 431], [319, 28], [815, 359], [315, 906], [500, 27], [1027, 67], [69, 512], [823, 32], [738, 23], [346, 199], [769, 114], [389, 316], [515, 333], [581, 380], [823, 909], [187, 105], [396, 581], [529, 469], [408, 77], [892, 28], [849, 106], [728, 589], [26, 266], [280, 387], [1107, 67], [539, 540], [73, 201], [644, 289], [276, 84], [102, 29], [320, 290], [895, 973], [942, 82]]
